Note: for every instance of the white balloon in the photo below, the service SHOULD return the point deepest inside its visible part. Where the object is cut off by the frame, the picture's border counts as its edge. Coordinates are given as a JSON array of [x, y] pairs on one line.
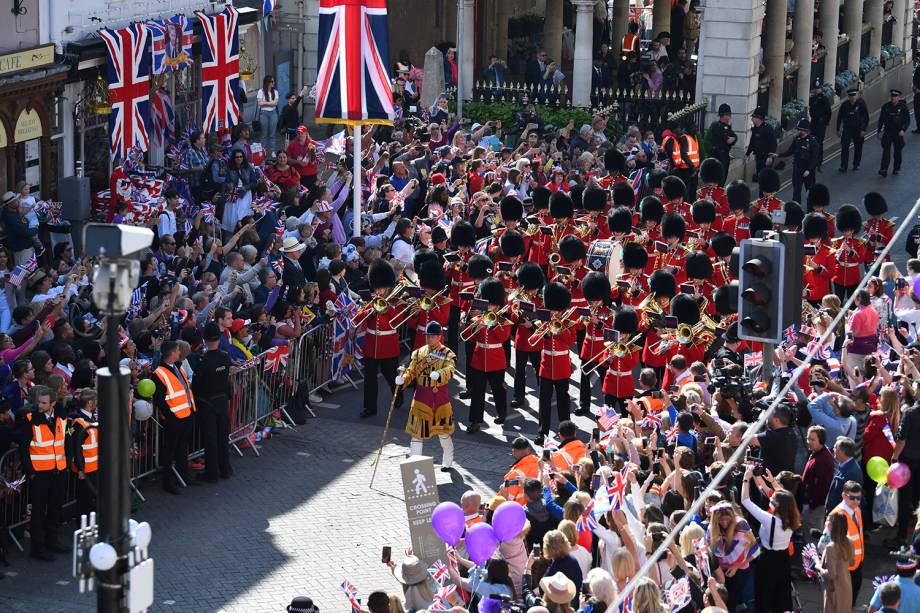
[[132, 526], [143, 410], [102, 556], [141, 535]]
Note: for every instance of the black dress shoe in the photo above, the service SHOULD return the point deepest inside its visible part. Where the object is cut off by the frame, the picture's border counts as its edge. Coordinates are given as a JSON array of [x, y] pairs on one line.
[[500, 419], [58, 548], [464, 395], [539, 440], [447, 469], [207, 477], [367, 413], [44, 556], [517, 402], [842, 169], [473, 428], [582, 411], [916, 131], [884, 173]]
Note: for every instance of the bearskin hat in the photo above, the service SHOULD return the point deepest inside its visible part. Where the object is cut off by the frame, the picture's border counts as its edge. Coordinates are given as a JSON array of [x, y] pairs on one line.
[[673, 225], [722, 244], [626, 321], [651, 209], [540, 197], [875, 203], [759, 223], [595, 286], [673, 187], [634, 256], [726, 299], [620, 220], [493, 291], [381, 274], [479, 266], [768, 180], [848, 218], [655, 177], [530, 276], [663, 283], [703, 211], [699, 266], [623, 195], [818, 195], [556, 296], [614, 161], [594, 199], [685, 308], [561, 205], [512, 208], [739, 195], [711, 171], [794, 214], [814, 226], [431, 275], [576, 192], [511, 243], [572, 248], [462, 234], [422, 256]]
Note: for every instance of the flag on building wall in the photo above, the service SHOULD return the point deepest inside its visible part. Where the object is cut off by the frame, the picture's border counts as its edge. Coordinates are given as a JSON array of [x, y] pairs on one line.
[[170, 44], [353, 81], [128, 76], [267, 7], [220, 69], [164, 120]]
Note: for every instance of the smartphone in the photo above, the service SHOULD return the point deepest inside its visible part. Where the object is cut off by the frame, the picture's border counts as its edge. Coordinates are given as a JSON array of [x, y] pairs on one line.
[[623, 284], [596, 434], [585, 588], [536, 551], [645, 442], [656, 466], [504, 266], [546, 455], [386, 554], [595, 482], [512, 482], [710, 441], [753, 453]]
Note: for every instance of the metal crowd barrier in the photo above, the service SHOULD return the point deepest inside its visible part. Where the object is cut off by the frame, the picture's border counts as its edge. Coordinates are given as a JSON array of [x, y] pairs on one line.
[[258, 391]]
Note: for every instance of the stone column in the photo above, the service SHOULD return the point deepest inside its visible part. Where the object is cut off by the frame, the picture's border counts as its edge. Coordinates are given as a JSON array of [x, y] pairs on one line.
[[467, 38], [875, 14], [620, 23], [830, 28], [584, 41], [661, 17], [852, 25], [802, 29], [897, 28], [552, 30], [729, 58], [773, 50], [503, 11], [434, 84]]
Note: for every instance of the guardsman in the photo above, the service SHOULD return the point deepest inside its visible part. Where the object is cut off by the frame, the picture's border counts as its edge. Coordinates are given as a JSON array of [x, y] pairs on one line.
[[512, 211], [381, 339], [852, 123], [632, 286], [739, 201], [622, 194], [619, 220], [507, 258], [687, 311], [479, 268], [432, 280], [571, 449], [675, 190], [653, 183], [722, 138], [762, 143], [699, 272], [488, 331], [621, 359], [877, 230], [615, 163], [555, 361], [663, 287], [594, 201], [850, 251], [572, 254], [175, 403], [538, 251], [760, 223], [211, 386], [703, 214], [821, 266], [596, 290], [804, 150], [794, 216], [526, 466], [819, 198], [712, 174], [722, 245], [651, 212], [83, 449], [530, 280], [462, 240], [562, 210], [672, 255], [819, 111], [893, 121], [43, 457], [430, 414], [769, 185]]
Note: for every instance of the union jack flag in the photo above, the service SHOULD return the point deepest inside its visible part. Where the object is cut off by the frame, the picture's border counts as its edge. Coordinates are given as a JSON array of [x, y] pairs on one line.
[[881, 580], [353, 80], [348, 588], [608, 418], [550, 442], [587, 522], [441, 600], [833, 367], [208, 209], [671, 434], [351, 592], [263, 205], [790, 335], [137, 296], [617, 490], [267, 7], [348, 343], [752, 360], [278, 266], [822, 353], [276, 358], [651, 421], [889, 436], [627, 605], [128, 76], [637, 180], [280, 229], [220, 69], [171, 44], [439, 572], [164, 119], [701, 555]]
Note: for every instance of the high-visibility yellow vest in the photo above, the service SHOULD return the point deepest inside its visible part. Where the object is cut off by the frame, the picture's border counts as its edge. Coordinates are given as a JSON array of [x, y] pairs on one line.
[[180, 402], [46, 451]]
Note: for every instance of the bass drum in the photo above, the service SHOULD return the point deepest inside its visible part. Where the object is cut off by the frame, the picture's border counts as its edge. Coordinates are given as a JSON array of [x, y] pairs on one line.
[[606, 256]]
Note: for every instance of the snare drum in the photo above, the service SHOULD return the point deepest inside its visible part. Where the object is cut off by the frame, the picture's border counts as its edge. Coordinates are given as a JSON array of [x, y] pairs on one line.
[[606, 256]]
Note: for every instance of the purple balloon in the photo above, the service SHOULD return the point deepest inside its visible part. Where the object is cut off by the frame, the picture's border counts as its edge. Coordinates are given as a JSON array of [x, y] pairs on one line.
[[448, 522], [508, 521], [898, 475], [916, 287], [480, 543]]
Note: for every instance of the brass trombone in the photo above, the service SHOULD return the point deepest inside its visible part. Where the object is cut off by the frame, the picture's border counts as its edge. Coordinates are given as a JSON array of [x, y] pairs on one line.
[[553, 326], [617, 349], [489, 319], [423, 303], [378, 304]]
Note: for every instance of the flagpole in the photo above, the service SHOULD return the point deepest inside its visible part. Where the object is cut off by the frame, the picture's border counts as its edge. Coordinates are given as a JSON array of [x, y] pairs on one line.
[[461, 52], [356, 189]]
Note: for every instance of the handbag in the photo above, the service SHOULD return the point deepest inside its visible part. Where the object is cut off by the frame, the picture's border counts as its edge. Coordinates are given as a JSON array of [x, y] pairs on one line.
[[256, 122]]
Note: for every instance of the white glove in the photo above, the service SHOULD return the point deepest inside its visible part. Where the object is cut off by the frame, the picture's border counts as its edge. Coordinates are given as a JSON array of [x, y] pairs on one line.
[[435, 375], [400, 380]]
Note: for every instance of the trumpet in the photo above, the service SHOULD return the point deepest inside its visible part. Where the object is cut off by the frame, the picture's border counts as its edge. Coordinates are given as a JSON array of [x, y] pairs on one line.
[[379, 305], [424, 303], [553, 326], [489, 319], [650, 304]]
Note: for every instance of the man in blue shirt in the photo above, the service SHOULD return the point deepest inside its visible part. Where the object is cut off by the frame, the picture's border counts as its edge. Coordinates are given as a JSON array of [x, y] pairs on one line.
[[910, 591], [834, 412], [846, 470]]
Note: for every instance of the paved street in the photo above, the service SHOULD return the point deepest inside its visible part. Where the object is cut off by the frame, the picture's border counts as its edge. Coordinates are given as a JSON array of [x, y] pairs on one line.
[[300, 518]]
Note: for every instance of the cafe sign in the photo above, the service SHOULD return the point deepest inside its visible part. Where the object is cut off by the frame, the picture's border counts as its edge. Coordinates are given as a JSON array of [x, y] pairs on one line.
[[26, 59]]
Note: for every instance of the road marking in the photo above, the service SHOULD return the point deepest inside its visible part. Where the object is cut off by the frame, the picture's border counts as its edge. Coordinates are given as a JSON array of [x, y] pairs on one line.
[[303, 453], [327, 405], [62, 582], [169, 603]]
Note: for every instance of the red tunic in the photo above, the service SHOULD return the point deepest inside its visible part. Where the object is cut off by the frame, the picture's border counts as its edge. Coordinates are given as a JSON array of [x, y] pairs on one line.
[[598, 223], [555, 359], [766, 204], [721, 274], [878, 233], [737, 227], [489, 354], [819, 284], [675, 258], [381, 340], [522, 333], [851, 253], [618, 379], [831, 226], [594, 334], [440, 313], [457, 275], [717, 196]]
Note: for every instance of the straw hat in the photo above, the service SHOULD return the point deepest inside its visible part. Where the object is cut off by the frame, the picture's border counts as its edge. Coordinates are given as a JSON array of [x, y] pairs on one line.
[[558, 588], [411, 571], [290, 244]]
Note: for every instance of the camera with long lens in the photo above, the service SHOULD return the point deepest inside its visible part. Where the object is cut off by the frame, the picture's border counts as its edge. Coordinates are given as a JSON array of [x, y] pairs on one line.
[[507, 604]]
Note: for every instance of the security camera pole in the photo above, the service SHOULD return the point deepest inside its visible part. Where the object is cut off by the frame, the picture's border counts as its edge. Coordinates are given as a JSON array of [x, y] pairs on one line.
[[114, 279]]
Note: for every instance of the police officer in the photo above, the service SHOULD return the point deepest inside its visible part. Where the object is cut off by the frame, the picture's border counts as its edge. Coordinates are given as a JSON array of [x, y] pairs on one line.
[[804, 151], [722, 138], [762, 143], [853, 116], [893, 120], [819, 110], [210, 386]]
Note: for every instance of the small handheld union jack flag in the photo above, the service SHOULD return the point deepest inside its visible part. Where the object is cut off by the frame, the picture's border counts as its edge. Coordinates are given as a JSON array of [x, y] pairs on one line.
[[439, 572], [671, 434], [441, 600], [617, 489], [280, 229], [651, 421], [276, 358], [587, 522], [889, 435]]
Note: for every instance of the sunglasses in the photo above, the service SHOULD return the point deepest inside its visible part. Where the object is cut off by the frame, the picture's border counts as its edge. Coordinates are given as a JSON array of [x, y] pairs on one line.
[[854, 497]]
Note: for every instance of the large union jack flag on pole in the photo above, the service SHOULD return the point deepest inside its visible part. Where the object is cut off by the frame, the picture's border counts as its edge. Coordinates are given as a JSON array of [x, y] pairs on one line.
[[353, 81], [128, 77], [220, 69]]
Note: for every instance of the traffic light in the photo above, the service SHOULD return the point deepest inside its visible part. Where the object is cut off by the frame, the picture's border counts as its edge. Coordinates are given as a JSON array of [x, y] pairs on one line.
[[761, 290]]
